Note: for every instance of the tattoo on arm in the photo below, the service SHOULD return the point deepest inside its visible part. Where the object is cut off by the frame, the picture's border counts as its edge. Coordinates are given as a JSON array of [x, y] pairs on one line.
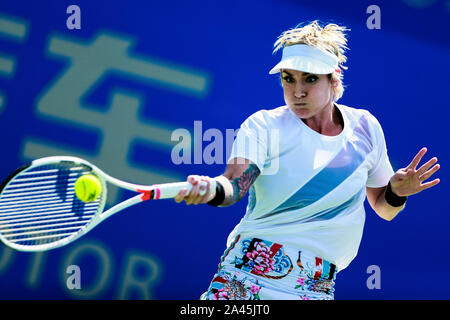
[[242, 184]]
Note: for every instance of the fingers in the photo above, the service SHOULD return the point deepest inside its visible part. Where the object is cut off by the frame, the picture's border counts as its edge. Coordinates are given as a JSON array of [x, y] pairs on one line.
[[409, 180], [198, 193], [430, 184], [180, 196], [202, 187], [417, 159], [424, 173]]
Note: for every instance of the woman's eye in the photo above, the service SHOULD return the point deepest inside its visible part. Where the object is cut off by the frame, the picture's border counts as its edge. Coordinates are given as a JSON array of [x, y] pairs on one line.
[[288, 79], [312, 79]]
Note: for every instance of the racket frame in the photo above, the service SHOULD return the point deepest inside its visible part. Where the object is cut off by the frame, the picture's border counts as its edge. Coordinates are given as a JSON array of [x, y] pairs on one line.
[[145, 192]]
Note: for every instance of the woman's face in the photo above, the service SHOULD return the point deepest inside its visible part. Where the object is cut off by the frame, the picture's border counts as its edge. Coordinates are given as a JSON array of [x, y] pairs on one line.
[[308, 95]]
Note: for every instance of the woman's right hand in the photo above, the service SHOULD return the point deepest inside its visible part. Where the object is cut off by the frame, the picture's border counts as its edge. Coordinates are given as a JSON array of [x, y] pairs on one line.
[[200, 191]]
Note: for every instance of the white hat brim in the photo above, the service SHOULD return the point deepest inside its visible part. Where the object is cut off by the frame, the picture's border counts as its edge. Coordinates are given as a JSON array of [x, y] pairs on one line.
[[303, 63]]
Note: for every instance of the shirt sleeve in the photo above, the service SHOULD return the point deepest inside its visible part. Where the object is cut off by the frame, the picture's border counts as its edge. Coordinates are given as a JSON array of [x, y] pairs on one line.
[[251, 141], [381, 171]]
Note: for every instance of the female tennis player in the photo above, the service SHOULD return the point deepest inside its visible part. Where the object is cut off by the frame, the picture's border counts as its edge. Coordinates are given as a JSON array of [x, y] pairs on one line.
[[308, 167]]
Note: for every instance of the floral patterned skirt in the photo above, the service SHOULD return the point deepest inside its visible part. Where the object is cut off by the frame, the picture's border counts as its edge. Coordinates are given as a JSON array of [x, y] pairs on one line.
[[257, 269]]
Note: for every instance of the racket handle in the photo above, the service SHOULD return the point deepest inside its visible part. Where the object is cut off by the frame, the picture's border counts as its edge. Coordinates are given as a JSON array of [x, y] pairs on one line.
[[170, 190]]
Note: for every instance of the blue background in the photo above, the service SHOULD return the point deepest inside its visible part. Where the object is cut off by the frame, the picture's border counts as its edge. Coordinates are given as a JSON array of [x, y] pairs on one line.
[[399, 72]]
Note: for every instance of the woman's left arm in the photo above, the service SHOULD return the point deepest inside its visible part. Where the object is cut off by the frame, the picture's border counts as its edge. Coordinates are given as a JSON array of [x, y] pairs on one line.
[[405, 182]]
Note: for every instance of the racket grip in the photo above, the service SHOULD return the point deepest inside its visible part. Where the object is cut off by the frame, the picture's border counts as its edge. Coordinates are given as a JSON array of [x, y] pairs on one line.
[[170, 190]]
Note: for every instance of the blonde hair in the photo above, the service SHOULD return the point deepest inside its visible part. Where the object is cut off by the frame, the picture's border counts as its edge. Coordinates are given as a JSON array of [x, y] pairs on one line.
[[330, 38]]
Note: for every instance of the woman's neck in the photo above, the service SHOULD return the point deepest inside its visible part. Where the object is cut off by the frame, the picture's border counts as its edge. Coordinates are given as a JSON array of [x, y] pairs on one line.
[[329, 122]]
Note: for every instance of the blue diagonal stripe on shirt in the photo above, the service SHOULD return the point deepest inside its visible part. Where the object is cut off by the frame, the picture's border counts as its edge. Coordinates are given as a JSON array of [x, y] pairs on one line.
[[330, 213], [348, 159]]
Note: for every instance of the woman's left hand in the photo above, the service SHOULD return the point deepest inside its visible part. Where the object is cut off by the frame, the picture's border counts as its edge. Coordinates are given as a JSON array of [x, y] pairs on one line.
[[410, 180]]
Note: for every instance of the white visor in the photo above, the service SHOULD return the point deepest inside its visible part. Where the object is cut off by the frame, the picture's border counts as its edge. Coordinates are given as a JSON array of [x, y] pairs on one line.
[[306, 58]]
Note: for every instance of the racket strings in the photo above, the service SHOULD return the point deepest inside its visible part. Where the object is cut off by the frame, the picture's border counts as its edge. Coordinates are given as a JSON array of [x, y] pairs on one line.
[[39, 206]]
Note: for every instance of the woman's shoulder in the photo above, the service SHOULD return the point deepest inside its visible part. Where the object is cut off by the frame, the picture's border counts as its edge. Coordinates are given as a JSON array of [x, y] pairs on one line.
[[355, 114], [270, 115], [365, 119]]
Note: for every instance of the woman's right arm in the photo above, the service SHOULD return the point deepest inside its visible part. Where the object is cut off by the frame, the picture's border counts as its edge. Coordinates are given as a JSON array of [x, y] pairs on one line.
[[241, 173], [239, 176]]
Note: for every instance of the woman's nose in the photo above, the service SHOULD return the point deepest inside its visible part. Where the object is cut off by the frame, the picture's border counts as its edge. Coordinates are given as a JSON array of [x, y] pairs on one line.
[[299, 92]]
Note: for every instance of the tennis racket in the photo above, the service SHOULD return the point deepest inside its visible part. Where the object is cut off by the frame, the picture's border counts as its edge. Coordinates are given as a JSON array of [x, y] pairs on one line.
[[39, 209]]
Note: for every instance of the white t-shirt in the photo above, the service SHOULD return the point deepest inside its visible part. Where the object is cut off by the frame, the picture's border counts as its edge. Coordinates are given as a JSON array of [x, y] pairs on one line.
[[311, 190]]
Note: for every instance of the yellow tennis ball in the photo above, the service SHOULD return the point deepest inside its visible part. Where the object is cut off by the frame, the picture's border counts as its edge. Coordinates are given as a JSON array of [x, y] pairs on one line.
[[88, 187]]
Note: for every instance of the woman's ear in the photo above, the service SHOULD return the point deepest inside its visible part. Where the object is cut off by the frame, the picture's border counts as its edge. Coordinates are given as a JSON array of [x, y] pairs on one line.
[[335, 82]]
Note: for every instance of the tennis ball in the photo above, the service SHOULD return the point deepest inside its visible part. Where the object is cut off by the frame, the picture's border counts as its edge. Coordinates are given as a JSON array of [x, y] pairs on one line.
[[88, 187]]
